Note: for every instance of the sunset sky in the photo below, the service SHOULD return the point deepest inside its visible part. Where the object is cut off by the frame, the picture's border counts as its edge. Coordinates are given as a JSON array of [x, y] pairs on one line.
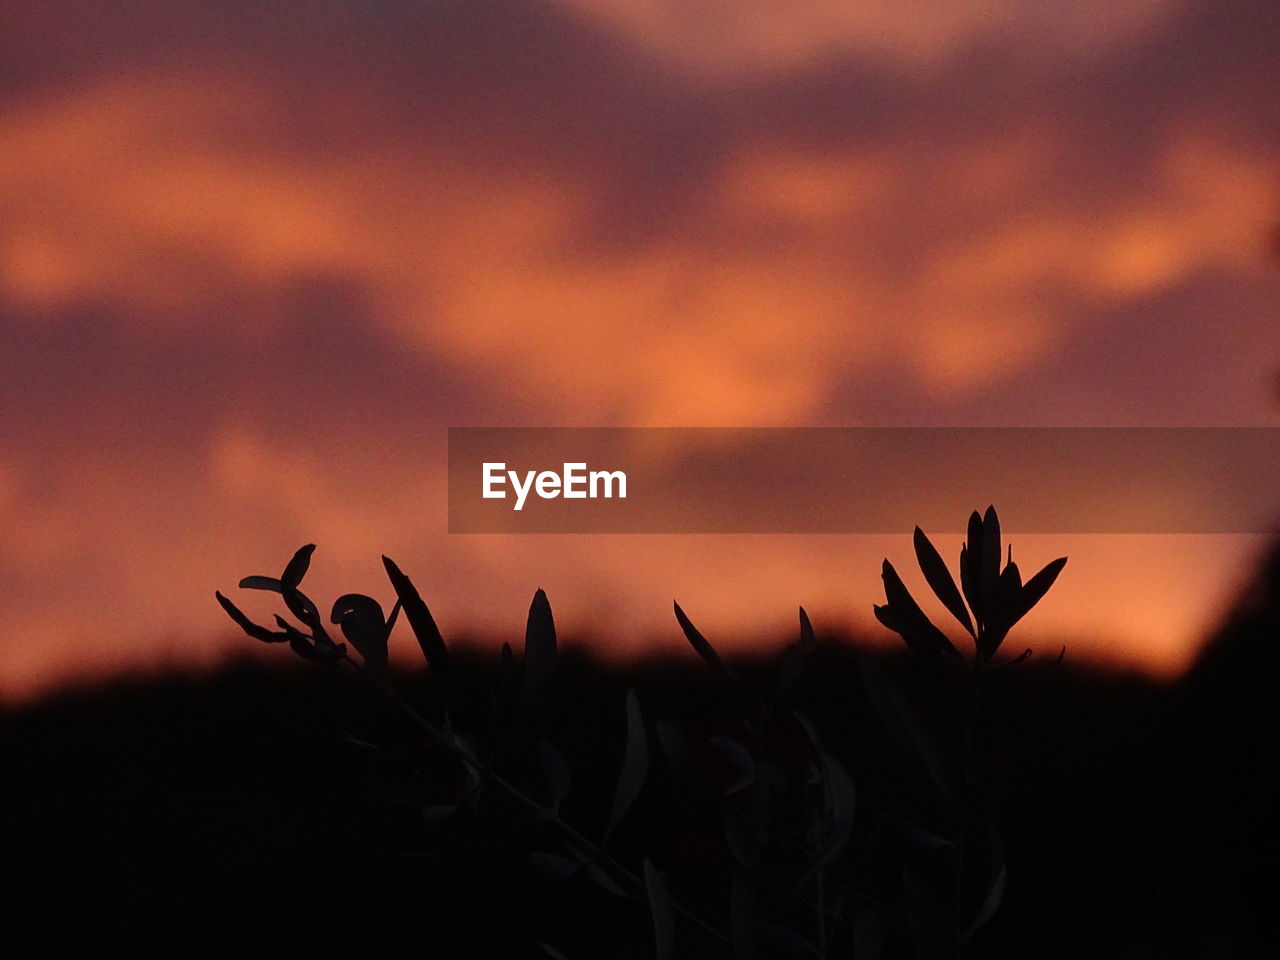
[[255, 258]]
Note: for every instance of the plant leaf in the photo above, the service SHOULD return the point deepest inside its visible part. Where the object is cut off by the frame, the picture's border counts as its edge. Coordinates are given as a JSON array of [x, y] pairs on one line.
[[903, 615], [302, 607], [1035, 589], [361, 621], [999, 615], [603, 880], [664, 925], [551, 951], [260, 583], [539, 654], [297, 567], [299, 604], [248, 626], [289, 629], [703, 646], [990, 565], [940, 580], [635, 765], [806, 633], [795, 659], [893, 619], [971, 569], [420, 620]]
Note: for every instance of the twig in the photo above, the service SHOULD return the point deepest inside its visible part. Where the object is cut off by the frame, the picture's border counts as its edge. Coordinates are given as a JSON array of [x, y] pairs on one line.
[[448, 742]]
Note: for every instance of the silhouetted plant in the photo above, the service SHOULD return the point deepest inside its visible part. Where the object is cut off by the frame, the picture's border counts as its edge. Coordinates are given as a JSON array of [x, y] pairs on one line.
[[944, 917], [997, 598], [786, 805], [518, 696]]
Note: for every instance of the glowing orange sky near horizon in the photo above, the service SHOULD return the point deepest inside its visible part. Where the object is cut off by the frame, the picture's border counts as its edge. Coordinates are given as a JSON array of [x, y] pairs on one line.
[[253, 262]]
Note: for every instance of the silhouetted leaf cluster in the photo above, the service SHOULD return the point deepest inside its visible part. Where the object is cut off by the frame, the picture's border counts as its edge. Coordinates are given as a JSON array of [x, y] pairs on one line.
[[788, 807], [997, 598]]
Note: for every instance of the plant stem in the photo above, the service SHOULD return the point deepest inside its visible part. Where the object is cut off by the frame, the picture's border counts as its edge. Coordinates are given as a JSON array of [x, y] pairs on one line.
[[971, 721], [965, 811], [448, 742]]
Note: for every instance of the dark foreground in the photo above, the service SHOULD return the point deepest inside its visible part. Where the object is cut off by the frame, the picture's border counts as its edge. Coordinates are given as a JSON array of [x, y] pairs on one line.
[[188, 815]]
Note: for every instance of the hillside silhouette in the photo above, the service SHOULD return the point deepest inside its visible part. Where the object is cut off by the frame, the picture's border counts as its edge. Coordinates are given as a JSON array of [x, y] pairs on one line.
[[272, 808]]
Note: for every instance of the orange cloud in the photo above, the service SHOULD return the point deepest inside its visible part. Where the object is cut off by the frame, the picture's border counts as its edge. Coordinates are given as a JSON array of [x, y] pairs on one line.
[[513, 241], [746, 307], [726, 39]]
